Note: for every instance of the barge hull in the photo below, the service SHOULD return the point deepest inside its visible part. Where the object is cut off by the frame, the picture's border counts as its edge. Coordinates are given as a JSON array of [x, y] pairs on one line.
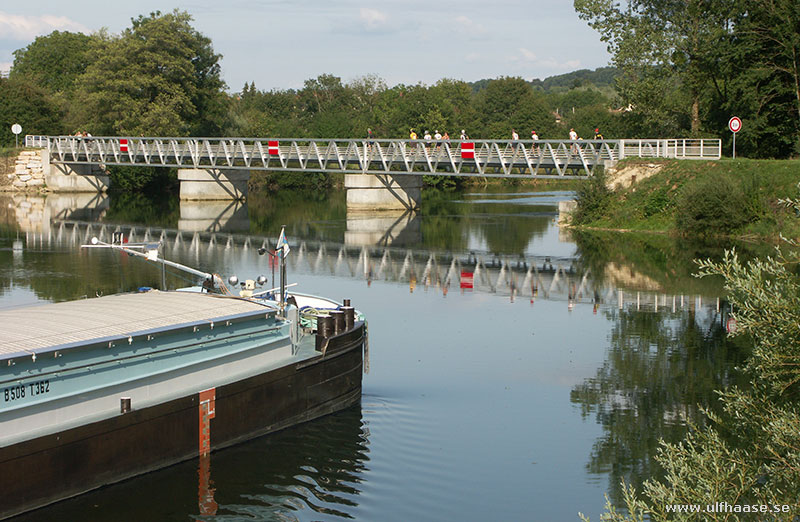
[[54, 467]]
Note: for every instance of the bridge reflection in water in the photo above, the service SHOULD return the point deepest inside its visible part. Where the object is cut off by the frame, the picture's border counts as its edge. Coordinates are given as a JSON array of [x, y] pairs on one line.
[[376, 247], [531, 277]]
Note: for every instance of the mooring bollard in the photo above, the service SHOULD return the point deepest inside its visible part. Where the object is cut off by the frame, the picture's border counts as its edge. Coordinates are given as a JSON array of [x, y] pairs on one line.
[[349, 316], [338, 321], [324, 326]]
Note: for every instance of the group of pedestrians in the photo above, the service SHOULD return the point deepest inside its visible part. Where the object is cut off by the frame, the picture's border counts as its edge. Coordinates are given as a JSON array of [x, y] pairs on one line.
[[437, 136]]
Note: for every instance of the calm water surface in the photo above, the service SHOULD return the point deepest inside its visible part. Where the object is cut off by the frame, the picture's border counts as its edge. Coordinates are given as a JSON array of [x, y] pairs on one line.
[[523, 398]]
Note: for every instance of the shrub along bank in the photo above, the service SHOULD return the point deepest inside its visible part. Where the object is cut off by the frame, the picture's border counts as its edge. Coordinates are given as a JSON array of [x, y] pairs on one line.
[[740, 198]]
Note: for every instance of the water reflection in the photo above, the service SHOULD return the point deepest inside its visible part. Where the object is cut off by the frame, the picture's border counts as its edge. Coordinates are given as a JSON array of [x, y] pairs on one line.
[[659, 369], [35, 214], [383, 229], [213, 216]]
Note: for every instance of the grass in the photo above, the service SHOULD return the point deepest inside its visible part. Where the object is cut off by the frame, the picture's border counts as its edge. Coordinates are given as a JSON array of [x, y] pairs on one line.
[[654, 204]]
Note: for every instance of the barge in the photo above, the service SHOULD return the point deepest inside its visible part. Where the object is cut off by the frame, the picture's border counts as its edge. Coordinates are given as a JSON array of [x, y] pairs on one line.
[[100, 390]]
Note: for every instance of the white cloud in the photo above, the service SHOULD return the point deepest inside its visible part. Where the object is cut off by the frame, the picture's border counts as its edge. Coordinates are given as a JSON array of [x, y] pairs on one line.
[[528, 57], [527, 54], [373, 18], [555, 64], [20, 27], [5, 67], [469, 26]]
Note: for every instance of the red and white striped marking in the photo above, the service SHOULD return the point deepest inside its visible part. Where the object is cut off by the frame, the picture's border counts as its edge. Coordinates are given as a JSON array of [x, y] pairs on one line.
[[467, 279], [272, 147], [467, 151], [207, 412], [123, 145]]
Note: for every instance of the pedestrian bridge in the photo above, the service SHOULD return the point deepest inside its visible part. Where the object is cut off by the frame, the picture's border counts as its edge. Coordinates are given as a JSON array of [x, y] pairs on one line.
[[483, 158], [379, 174]]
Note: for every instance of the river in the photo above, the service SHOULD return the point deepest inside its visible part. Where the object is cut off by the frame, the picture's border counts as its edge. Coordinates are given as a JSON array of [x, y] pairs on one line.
[[516, 371]]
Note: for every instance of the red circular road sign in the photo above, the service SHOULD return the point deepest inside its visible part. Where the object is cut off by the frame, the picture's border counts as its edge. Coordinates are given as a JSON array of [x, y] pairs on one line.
[[731, 326], [735, 124]]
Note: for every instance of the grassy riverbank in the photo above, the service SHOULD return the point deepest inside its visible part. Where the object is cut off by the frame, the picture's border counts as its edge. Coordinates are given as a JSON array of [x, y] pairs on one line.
[[735, 198]]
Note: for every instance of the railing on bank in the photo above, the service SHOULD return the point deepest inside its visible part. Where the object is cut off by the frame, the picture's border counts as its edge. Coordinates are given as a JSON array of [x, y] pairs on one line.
[[486, 158], [682, 148]]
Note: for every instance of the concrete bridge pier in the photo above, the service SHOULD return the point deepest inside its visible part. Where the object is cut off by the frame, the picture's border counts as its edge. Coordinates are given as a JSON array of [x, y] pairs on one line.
[[73, 177], [383, 191], [213, 184]]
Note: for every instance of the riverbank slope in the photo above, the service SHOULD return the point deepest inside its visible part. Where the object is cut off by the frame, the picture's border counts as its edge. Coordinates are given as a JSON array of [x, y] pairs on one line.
[[736, 198]]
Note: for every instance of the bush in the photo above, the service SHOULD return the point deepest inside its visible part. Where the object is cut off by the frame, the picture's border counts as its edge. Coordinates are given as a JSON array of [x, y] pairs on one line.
[[714, 206], [593, 198]]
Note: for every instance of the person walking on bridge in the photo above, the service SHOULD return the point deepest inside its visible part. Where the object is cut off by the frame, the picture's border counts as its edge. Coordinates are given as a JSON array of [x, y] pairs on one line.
[[573, 136], [464, 135]]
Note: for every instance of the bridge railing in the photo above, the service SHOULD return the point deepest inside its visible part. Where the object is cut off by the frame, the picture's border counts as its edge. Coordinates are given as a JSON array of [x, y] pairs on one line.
[[35, 141], [488, 158], [681, 148]]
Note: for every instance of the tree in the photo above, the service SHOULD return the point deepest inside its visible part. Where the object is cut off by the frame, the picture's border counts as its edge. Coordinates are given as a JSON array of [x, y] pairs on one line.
[[54, 61], [663, 48], [772, 29], [159, 77], [23, 102], [510, 103]]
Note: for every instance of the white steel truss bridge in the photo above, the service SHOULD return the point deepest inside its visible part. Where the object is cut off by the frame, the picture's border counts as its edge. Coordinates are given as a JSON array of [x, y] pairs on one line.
[[483, 158]]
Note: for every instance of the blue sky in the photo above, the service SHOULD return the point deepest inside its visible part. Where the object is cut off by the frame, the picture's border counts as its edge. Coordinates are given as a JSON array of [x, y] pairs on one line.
[[280, 43]]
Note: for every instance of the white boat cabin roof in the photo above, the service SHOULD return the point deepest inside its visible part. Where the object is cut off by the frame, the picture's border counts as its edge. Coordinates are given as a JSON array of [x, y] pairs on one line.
[[74, 323]]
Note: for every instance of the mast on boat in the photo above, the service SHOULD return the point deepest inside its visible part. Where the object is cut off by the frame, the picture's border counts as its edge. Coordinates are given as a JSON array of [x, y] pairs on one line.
[[149, 252]]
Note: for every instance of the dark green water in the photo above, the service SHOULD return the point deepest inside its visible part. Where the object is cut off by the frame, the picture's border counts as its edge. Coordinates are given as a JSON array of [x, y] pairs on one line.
[[514, 400]]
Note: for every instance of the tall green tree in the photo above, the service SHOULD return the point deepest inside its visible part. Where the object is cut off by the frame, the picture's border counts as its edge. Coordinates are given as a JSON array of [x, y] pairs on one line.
[[770, 30], [159, 77], [663, 48], [28, 104], [53, 61]]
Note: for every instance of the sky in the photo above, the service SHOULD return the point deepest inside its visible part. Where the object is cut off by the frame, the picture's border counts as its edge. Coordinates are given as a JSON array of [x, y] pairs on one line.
[[278, 44]]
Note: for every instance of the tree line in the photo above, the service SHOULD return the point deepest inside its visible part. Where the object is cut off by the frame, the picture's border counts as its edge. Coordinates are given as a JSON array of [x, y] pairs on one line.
[[689, 65], [161, 77]]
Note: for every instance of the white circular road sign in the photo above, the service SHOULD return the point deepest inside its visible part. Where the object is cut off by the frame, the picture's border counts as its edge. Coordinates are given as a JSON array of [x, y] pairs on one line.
[[16, 128], [735, 124]]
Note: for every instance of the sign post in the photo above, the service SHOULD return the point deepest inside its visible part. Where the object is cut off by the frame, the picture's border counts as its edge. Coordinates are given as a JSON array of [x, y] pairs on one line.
[[16, 129], [735, 125]]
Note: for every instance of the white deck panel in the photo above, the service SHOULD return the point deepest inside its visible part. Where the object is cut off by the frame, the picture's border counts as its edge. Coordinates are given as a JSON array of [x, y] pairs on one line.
[[40, 327]]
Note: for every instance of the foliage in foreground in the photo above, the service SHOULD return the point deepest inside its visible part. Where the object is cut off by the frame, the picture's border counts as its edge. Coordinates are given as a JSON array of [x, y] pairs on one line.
[[749, 455]]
